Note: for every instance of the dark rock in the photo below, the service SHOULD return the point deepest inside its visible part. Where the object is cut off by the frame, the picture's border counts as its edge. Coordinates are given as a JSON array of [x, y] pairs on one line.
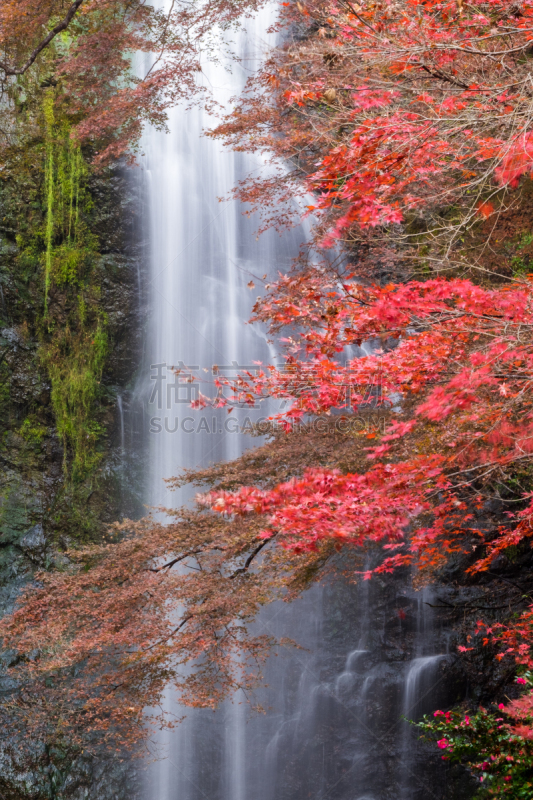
[[33, 543]]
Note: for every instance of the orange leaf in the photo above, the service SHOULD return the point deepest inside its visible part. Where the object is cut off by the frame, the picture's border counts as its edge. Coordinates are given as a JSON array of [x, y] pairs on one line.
[[485, 209]]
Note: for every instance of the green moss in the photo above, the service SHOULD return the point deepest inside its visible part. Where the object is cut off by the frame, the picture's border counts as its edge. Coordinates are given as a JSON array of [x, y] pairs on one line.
[[526, 239], [32, 431], [68, 244], [49, 192], [52, 273], [520, 265], [66, 263], [75, 364], [521, 262], [74, 346]]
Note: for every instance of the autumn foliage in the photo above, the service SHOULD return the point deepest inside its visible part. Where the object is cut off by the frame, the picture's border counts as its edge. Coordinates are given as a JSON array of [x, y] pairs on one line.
[[393, 111], [100, 641], [85, 51]]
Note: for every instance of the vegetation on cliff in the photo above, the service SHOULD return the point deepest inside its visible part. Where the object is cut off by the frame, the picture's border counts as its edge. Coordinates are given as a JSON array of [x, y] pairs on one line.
[[60, 258]]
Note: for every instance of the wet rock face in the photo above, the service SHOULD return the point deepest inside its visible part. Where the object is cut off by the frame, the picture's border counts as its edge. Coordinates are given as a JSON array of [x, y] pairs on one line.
[[33, 490], [40, 513], [33, 543], [384, 655], [81, 779]]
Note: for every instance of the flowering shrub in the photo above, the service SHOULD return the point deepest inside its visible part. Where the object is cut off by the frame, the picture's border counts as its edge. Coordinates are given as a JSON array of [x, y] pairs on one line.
[[498, 752]]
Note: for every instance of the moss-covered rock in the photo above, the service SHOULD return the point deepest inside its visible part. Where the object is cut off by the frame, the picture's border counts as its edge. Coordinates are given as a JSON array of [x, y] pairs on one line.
[[71, 327]]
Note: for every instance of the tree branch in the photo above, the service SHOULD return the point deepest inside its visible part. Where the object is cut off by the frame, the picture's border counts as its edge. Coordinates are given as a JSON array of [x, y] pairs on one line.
[[174, 561], [442, 76], [511, 583], [61, 26], [250, 558]]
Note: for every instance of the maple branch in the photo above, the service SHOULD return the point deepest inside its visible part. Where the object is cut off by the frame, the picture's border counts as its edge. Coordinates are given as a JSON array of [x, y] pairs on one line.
[[486, 53], [347, 4], [511, 583], [466, 607], [61, 26], [163, 38], [443, 77], [174, 561], [183, 622], [250, 558], [191, 615]]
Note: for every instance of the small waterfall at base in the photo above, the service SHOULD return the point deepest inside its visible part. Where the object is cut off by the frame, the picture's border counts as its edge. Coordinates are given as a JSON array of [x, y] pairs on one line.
[[332, 728], [120, 408]]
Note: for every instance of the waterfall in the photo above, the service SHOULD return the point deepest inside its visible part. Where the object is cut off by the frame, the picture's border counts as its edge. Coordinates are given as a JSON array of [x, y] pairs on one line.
[[332, 728], [121, 424], [203, 255]]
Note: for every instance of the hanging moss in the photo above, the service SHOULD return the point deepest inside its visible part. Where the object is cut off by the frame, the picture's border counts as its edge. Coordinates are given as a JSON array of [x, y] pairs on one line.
[[48, 107], [75, 363], [69, 245], [73, 350]]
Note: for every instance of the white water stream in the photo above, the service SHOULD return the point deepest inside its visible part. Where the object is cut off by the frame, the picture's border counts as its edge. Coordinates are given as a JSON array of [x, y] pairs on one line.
[[332, 728], [203, 253]]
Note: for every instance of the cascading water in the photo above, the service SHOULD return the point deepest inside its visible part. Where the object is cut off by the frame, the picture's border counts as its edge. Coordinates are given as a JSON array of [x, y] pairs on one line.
[[332, 729], [202, 256], [203, 253]]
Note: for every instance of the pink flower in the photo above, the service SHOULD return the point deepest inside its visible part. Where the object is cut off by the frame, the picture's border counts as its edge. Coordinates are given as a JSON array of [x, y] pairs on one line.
[[467, 720], [438, 714], [501, 706], [443, 744], [485, 765], [521, 680], [508, 778]]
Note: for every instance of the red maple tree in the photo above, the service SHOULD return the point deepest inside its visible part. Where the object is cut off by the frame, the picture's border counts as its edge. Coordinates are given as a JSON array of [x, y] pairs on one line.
[[392, 111]]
